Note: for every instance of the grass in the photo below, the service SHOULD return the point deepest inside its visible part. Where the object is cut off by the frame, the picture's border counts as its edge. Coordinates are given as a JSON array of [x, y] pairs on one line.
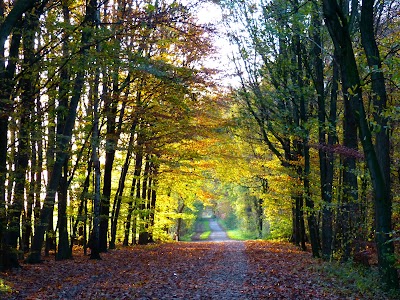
[[237, 234], [186, 237]]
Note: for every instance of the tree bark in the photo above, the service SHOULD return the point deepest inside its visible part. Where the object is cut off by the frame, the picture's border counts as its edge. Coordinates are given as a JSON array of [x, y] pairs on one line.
[[48, 205], [134, 194], [8, 257], [327, 189], [95, 243], [64, 89], [153, 199], [143, 229], [27, 82], [324, 129], [121, 186], [19, 8], [338, 29], [383, 201]]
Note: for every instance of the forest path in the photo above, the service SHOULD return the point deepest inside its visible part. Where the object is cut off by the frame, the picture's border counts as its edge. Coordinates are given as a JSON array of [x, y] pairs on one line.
[[182, 270], [218, 234]]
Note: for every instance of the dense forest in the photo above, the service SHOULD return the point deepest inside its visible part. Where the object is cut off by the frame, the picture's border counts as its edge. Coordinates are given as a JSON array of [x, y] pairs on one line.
[[120, 123]]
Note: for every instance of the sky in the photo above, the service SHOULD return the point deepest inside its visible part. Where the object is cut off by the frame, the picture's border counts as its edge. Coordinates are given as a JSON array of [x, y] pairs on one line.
[[211, 13]]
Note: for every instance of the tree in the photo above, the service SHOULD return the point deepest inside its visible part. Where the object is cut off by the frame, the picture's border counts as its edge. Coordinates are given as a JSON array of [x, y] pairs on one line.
[[64, 251], [351, 84], [11, 21], [63, 145], [381, 167]]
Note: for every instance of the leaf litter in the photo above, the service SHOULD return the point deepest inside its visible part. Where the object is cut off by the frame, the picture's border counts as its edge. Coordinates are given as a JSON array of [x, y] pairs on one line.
[[195, 270]]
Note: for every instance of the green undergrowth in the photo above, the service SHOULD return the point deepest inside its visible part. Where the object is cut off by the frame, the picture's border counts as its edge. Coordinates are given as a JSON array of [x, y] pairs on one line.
[[350, 279], [187, 237], [237, 234], [205, 225], [4, 288], [201, 231]]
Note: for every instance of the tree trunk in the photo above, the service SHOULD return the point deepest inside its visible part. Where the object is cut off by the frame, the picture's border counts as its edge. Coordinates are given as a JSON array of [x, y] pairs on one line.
[[27, 83], [179, 222], [345, 56], [121, 186], [95, 249], [64, 251], [27, 217], [143, 230], [153, 199], [45, 214], [324, 129], [338, 29], [7, 83], [63, 241], [327, 189], [134, 194], [383, 201], [301, 119], [299, 238], [82, 216], [111, 142]]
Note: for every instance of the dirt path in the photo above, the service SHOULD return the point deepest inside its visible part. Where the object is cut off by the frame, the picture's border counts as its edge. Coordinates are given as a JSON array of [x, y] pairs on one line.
[[217, 233], [220, 269], [195, 270]]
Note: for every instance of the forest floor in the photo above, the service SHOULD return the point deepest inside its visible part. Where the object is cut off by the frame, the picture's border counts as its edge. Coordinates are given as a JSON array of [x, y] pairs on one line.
[[186, 270]]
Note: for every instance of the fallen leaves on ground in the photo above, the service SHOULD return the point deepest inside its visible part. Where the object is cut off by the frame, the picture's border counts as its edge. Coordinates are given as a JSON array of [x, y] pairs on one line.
[[197, 270]]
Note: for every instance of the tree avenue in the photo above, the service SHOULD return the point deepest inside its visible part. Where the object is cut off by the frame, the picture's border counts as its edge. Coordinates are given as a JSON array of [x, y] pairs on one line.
[[315, 83], [114, 130]]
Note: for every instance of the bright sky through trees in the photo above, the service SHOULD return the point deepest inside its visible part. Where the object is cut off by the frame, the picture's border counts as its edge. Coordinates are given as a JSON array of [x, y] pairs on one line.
[[210, 13]]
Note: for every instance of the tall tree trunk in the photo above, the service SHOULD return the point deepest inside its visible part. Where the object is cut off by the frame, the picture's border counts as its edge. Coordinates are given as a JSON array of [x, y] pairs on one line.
[[324, 129], [143, 230], [95, 250], [345, 56], [113, 132], [50, 159], [135, 193], [121, 185], [7, 83], [311, 218], [338, 29], [301, 119], [64, 251], [95, 244], [383, 204], [45, 214], [7, 80], [153, 199], [27, 216], [81, 216], [111, 143], [327, 189], [24, 144]]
